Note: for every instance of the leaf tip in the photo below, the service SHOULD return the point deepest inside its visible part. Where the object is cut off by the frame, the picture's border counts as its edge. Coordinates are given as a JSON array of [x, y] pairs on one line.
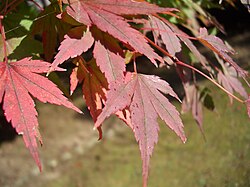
[[184, 140], [76, 109], [51, 69], [79, 111], [40, 167]]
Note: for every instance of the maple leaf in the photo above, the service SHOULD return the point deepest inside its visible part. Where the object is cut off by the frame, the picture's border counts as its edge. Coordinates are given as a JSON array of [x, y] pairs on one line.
[[108, 55], [218, 46], [141, 94], [19, 80], [94, 86], [169, 38], [50, 27], [74, 44], [231, 83], [89, 13], [113, 65], [185, 39], [122, 7], [192, 102]]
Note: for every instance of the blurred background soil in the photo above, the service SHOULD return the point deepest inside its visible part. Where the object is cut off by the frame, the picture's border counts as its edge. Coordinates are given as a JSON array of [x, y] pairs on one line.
[[73, 156]]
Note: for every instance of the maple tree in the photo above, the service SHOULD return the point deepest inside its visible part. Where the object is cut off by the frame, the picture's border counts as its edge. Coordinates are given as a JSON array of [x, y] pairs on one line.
[[101, 38]]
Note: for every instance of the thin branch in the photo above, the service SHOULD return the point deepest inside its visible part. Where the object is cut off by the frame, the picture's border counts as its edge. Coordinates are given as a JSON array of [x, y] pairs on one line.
[[177, 61], [12, 5], [36, 19], [6, 6], [210, 79], [164, 20], [38, 6]]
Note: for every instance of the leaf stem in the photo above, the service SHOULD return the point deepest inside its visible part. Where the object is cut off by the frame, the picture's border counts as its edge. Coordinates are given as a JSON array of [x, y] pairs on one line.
[[38, 6], [36, 19], [182, 35], [210, 79], [6, 6], [12, 6], [4, 40]]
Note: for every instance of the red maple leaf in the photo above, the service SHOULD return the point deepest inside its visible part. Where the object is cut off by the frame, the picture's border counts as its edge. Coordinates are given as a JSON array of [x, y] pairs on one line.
[[184, 38], [218, 46], [141, 94], [74, 44], [192, 102], [106, 15], [168, 37], [121, 7], [18, 81], [94, 86], [108, 55], [231, 83]]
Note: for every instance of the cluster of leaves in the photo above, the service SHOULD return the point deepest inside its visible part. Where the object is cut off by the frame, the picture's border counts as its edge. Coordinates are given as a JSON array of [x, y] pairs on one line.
[[193, 12], [100, 38]]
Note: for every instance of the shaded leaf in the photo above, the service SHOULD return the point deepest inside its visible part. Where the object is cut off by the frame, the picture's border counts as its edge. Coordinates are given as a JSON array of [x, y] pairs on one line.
[[28, 46], [192, 100], [197, 110], [185, 39], [169, 38], [231, 84], [50, 27], [218, 46], [94, 86], [207, 99]]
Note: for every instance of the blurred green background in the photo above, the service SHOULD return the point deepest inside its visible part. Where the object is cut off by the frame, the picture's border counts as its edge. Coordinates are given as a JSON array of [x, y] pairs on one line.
[[223, 160]]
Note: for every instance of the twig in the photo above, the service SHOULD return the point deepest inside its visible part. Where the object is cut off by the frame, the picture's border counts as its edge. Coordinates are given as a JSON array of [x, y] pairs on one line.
[[177, 61], [210, 79], [38, 6]]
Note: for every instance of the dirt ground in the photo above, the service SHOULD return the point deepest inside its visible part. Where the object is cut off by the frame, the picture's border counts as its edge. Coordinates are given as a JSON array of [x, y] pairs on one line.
[[66, 136]]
